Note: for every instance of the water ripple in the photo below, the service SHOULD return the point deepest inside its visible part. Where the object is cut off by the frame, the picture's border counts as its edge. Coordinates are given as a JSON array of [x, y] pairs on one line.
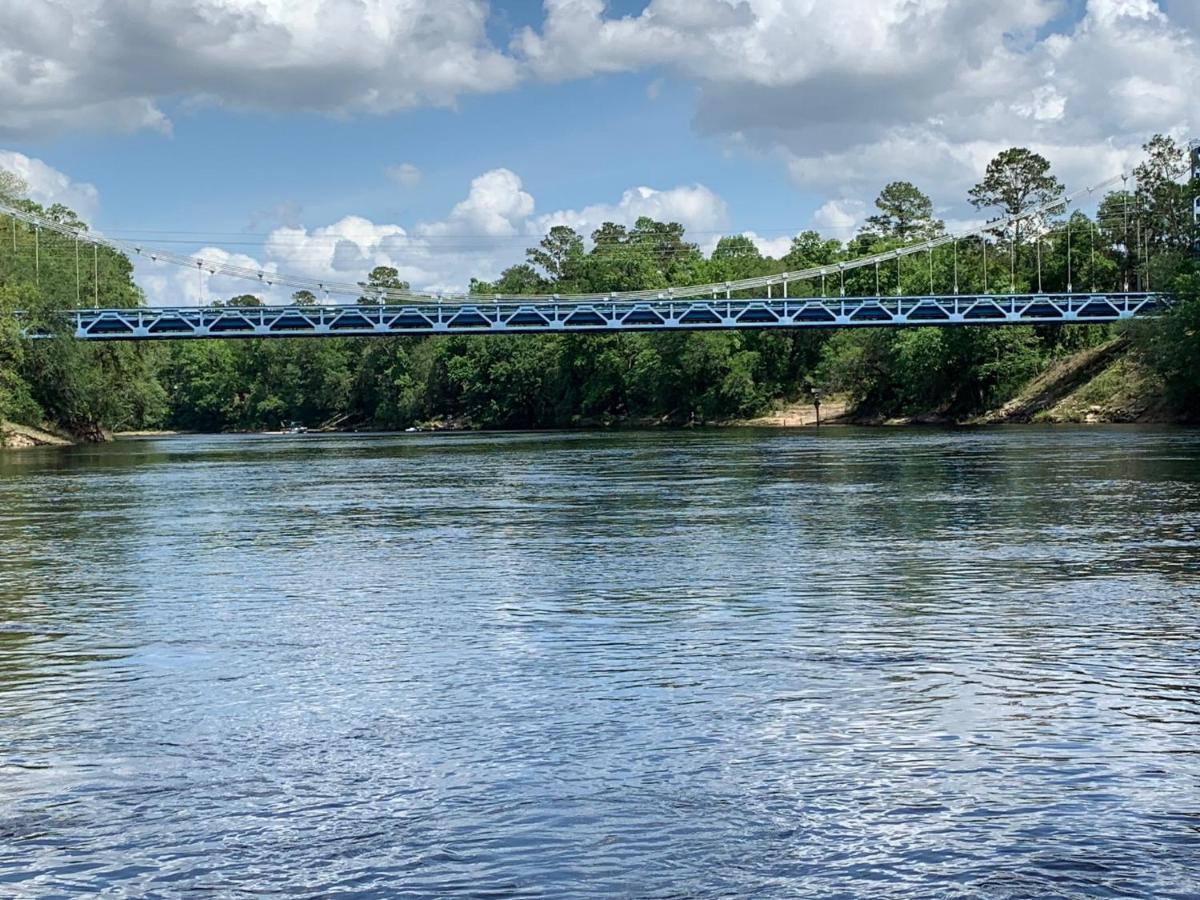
[[860, 663]]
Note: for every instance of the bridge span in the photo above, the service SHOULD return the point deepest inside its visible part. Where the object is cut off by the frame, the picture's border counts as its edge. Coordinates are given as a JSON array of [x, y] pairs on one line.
[[600, 317]]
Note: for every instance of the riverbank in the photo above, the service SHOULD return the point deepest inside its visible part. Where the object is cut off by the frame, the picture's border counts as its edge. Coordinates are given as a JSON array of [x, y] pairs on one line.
[[1108, 384], [1104, 385], [22, 437]]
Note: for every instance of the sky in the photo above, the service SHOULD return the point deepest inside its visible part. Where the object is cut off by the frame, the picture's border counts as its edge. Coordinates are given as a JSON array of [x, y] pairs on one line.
[[443, 137]]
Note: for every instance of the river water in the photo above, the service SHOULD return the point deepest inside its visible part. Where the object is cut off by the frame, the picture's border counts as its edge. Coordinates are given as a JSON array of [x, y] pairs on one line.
[[738, 663]]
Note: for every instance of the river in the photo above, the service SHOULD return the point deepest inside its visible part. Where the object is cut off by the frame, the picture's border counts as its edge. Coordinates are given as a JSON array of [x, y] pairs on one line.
[[854, 663]]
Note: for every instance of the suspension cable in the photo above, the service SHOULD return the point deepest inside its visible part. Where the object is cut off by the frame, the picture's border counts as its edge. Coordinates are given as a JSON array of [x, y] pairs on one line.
[[354, 289]]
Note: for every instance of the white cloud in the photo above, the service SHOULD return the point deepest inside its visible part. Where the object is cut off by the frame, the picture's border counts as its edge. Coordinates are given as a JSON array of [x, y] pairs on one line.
[[839, 218], [67, 64], [47, 186], [168, 284], [483, 234], [406, 175], [774, 247], [496, 207], [858, 93], [703, 213]]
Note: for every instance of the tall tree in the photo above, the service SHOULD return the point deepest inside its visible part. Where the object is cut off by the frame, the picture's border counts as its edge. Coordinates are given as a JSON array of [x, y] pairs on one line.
[[735, 257], [1016, 181], [559, 254], [12, 187], [1164, 194], [905, 213], [381, 279]]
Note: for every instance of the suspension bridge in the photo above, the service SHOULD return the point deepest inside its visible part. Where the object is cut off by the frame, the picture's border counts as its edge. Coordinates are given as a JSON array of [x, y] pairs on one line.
[[837, 295]]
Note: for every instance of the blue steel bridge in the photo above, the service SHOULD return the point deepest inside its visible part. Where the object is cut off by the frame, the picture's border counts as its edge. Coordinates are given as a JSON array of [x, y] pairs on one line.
[[590, 316], [795, 299]]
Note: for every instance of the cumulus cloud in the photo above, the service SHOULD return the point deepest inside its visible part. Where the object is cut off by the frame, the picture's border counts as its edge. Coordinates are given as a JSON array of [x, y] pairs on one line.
[[853, 94], [701, 211], [106, 63], [48, 185], [839, 218], [482, 234], [497, 206], [770, 246], [166, 284]]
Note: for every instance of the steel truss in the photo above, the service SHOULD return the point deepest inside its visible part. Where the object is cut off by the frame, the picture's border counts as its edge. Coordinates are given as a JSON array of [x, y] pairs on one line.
[[603, 317]]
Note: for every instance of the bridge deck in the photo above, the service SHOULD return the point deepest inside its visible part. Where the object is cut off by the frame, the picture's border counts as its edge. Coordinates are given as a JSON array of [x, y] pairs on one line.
[[566, 316]]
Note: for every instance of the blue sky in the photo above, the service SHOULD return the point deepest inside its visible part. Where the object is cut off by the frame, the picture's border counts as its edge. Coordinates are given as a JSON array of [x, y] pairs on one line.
[[211, 124]]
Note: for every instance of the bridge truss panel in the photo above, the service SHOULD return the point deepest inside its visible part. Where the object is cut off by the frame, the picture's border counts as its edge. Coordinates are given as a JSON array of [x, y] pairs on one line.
[[605, 317]]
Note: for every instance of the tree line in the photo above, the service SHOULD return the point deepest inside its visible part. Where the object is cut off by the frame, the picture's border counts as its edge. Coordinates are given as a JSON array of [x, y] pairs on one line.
[[1139, 239]]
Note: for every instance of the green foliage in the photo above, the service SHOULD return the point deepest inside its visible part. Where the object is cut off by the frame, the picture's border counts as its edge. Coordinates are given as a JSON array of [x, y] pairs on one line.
[[1016, 180], [564, 380], [84, 388], [904, 213], [1171, 345]]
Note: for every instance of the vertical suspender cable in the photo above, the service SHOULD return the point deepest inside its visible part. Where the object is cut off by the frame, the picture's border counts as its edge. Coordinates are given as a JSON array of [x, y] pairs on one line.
[[77, 272], [1092, 262], [898, 288], [1146, 260], [1070, 284], [1128, 254], [95, 277], [1039, 262], [877, 292], [842, 279], [983, 239], [931, 271], [956, 266], [1012, 272], [1140, 268], [37, 254]]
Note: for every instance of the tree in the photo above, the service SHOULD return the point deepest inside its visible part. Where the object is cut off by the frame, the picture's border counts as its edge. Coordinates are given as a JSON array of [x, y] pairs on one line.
[[559, 254], [304, 298], [1163, 201], [734, 258], [518, 279], [380, 280], [904, 213], [1016, 181], [12, 187]]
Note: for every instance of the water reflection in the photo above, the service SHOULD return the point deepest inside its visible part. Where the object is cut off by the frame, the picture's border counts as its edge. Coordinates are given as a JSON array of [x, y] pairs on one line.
[[859, 663]]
